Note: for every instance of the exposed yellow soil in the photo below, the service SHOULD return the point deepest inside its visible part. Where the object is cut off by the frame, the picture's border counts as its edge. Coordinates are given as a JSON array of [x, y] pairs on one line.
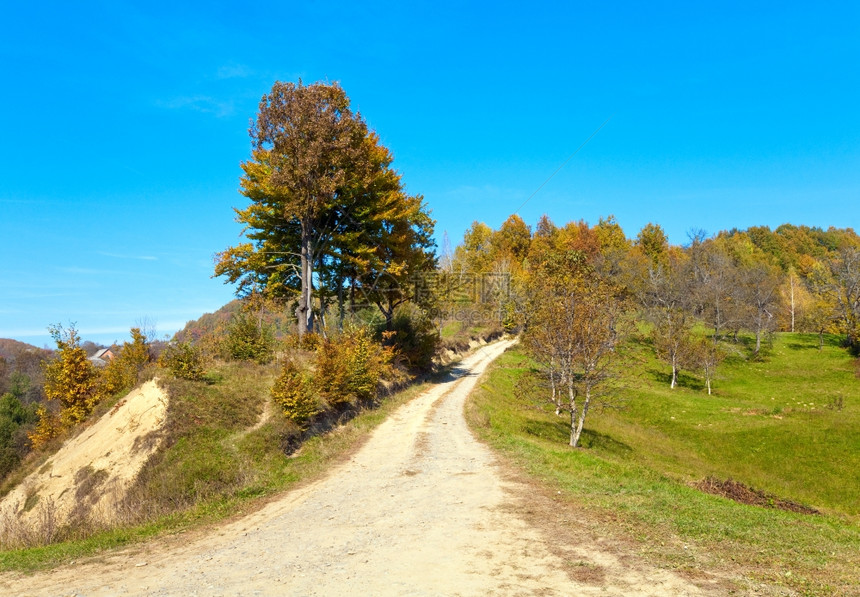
[[90, 474]]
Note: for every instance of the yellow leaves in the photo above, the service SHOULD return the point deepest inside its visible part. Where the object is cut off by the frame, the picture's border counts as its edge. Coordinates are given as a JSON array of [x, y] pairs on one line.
[[73, 381], [294, 392], [47, 428], [122, 372], [349, 368], [71, 378]]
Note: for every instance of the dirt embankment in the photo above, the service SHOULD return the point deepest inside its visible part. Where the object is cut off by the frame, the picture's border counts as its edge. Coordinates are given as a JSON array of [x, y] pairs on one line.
[[91, 473], [422, 509]]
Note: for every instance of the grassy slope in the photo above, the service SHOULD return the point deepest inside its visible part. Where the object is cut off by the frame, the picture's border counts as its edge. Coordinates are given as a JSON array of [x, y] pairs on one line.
[[766, 426]]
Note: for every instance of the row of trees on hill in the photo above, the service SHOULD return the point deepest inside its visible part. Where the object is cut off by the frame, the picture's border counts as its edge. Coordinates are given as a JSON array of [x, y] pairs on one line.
[[576, 290], [21, 380]]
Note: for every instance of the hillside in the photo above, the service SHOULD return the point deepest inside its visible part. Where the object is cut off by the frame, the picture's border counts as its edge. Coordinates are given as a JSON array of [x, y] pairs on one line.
[[14, 351], [277, 318], [10, 348], [782, 427], [421, 508]]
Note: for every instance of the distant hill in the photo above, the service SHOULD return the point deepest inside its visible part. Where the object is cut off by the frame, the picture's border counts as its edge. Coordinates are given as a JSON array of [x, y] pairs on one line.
[[23, 358], [209, 323], [10, 349]]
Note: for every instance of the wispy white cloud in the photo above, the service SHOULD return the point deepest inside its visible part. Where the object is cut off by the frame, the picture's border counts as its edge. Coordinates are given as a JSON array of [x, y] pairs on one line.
[[136, 257], [86, 271], [24, 333], [200, 103]]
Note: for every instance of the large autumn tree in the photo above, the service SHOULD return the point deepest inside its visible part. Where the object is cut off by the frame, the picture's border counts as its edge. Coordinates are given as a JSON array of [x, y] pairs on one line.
[[326, 207]]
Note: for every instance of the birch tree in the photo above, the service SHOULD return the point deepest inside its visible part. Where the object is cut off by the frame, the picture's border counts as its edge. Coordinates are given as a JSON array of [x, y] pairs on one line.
[[760, 289], [667, 297], [845, 290], [573, 329]]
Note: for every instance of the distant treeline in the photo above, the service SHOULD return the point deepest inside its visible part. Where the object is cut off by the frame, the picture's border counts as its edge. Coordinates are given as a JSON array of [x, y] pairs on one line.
[[793, 278]]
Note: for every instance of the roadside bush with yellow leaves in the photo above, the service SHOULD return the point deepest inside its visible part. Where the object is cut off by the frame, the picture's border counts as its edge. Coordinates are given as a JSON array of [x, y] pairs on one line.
[[294, 392], [123, 372], [349, 367]]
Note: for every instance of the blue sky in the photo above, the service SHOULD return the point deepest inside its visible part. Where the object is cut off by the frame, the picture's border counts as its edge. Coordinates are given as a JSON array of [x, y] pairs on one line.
[[122, 125]]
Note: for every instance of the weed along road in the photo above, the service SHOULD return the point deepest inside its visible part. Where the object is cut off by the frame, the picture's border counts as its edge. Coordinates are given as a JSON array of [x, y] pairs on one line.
[[421, 509]]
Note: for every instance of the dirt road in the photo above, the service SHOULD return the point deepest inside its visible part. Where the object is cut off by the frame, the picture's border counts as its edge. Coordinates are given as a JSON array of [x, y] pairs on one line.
[[421, 509]]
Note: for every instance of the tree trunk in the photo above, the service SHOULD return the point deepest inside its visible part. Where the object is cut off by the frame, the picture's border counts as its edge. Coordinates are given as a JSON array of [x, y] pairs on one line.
[[310, 313], [260, 313], [389, 316], [791, 282], [574, 437], [708, 381], [341, 307], [302, 307], [574, 442], [304, 310], [674, 370], [555, 398], [757, 341]]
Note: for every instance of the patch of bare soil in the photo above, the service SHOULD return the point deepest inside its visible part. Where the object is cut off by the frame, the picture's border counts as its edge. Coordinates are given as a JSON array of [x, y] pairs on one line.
[[91, 473], [747, 495], [422, 508]]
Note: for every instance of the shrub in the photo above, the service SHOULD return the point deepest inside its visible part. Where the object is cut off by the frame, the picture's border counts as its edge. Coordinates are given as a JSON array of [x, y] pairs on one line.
[[510, 321], [350, 366], [47, 427], [183, 360], [123, 372], [310, 341], [414, 338], [15, 419], [70, 377], [248, 341], [294, 392]]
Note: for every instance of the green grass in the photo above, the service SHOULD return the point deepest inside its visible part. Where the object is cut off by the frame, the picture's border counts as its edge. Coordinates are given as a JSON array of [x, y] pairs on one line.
[[767, 426], [210, 466]]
